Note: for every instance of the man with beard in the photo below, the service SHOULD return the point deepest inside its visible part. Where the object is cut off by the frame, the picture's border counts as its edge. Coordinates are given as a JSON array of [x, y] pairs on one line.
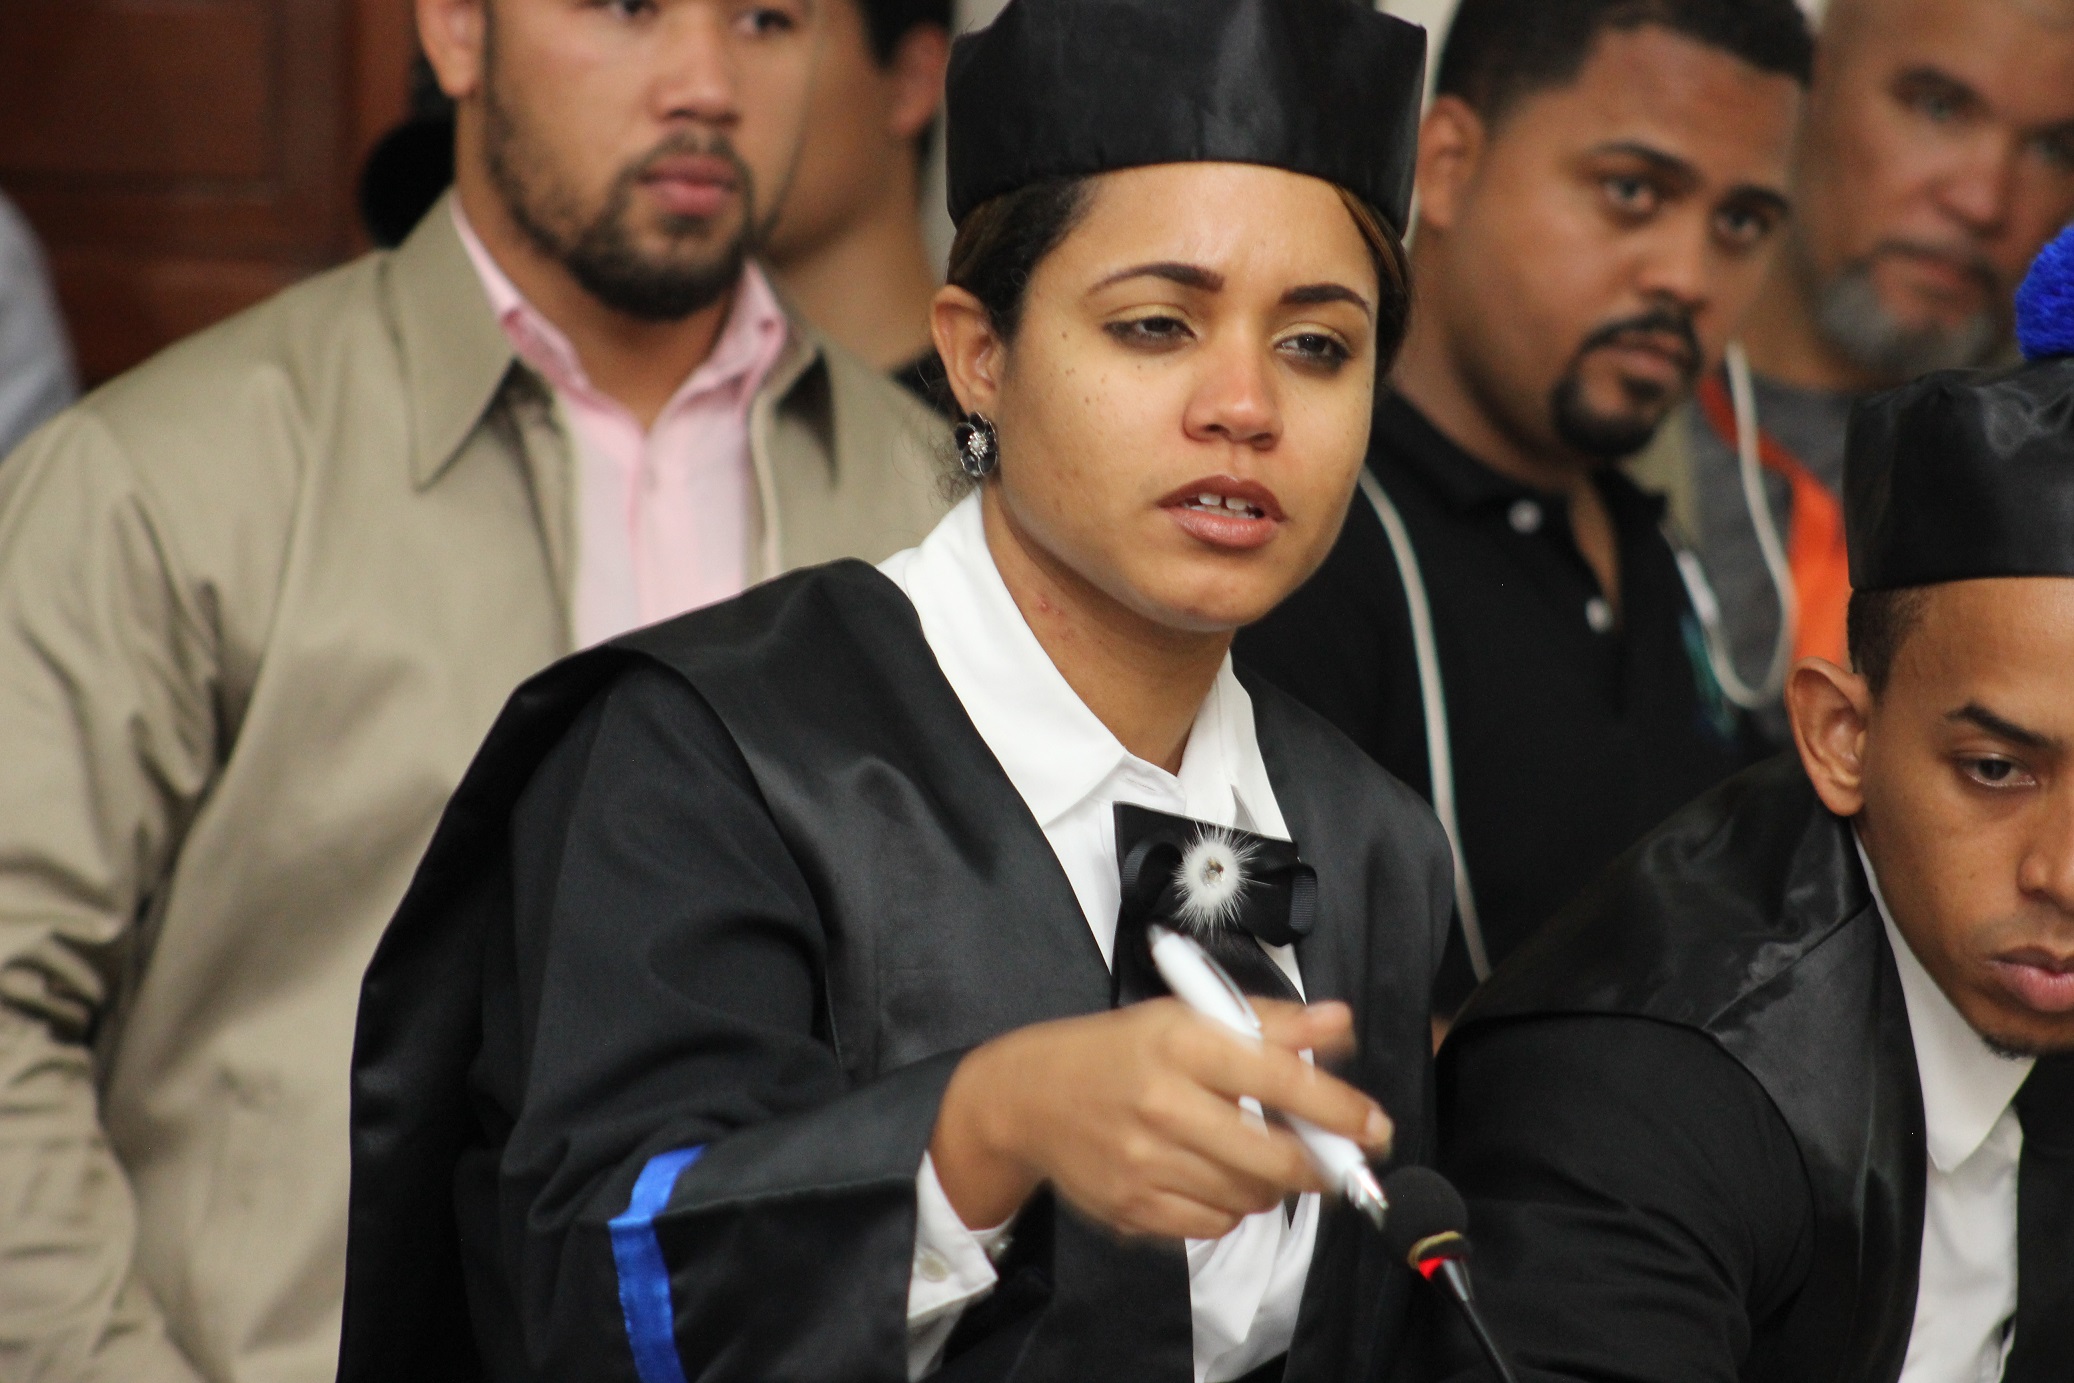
[[261, 599], [1789, 1094], [1937, 156], [1502, 624]]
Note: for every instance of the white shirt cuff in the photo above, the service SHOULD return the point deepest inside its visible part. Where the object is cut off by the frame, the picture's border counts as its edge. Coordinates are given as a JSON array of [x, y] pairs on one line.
[[953, 1267]]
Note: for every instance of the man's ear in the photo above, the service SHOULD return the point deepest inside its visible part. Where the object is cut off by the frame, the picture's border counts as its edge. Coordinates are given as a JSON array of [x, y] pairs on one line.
[[1451, 147], [919, 62], [1830, 709], [451, 33], [973, 355]]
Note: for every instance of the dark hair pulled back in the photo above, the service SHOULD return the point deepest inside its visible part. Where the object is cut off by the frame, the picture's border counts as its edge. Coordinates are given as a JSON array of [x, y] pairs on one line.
[[1002, 241]]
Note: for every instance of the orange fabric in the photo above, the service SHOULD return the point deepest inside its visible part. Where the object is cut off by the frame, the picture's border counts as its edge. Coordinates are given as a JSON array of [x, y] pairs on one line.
[[1815, 548]]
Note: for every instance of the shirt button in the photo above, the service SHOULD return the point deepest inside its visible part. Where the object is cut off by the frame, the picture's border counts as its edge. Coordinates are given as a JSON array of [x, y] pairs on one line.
[[1524, 516], [1598, 614], [929, 1263]]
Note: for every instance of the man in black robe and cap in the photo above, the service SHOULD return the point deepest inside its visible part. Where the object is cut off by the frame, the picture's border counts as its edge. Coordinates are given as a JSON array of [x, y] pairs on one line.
[[1789, 1093]]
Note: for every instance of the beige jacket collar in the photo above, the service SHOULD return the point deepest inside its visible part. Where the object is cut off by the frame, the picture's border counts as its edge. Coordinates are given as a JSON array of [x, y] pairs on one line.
[[456, 356]]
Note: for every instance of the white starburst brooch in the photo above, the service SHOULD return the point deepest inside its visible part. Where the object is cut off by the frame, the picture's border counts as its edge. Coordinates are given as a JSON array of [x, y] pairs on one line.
[[1210, 881]]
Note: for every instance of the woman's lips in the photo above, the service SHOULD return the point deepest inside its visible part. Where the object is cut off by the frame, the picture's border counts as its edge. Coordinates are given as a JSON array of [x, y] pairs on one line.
[[1226, 512], [2042, 982]]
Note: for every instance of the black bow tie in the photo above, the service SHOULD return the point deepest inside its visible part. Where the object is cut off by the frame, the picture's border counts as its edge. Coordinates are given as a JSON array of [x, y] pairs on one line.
[[1232, 890]]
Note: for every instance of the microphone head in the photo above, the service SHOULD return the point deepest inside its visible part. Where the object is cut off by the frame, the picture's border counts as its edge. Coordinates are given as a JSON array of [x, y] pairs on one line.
[[1428, 1224]]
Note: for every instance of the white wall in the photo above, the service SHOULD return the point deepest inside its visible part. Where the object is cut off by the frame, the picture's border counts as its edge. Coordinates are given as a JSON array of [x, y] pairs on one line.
[[1434, 14]]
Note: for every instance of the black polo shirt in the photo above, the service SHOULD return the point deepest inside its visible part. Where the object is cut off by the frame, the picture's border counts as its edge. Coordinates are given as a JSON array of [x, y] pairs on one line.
[[1572, 735]]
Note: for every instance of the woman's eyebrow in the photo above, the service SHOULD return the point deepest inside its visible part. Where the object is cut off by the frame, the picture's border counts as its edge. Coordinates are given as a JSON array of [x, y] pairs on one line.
[[1326, 293], [1210, 281], [1187, 275]]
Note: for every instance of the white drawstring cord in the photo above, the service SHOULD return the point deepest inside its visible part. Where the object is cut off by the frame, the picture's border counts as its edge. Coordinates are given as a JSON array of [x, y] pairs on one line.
[[1440, 758], [1743, 395]]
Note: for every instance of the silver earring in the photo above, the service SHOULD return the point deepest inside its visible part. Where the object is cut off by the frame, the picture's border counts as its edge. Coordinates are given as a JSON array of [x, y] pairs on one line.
[[979, 446]]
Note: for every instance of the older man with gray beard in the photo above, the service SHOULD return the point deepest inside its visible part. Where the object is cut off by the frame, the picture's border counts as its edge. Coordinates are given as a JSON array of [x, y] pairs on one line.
[[1936, 158]]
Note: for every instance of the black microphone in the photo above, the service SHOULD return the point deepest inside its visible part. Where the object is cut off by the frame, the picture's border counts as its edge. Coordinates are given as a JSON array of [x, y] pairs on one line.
[[1429, 1229]]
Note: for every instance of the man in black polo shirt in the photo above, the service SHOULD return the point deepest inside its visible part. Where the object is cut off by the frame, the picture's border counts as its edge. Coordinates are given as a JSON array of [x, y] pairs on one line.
[[1600, 184]]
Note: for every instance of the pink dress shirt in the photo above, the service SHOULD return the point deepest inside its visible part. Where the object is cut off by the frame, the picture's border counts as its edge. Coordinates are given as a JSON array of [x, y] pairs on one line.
[[663, 515]]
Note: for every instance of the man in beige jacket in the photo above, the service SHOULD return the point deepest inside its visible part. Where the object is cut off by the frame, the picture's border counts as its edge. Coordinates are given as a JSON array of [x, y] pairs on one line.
[[260, 599]]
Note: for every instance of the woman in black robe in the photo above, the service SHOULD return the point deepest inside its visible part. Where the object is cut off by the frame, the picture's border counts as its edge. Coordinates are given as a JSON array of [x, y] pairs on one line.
[[764, 1006]]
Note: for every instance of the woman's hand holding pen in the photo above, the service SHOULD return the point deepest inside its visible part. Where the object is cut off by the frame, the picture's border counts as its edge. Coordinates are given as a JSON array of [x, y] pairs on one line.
[[1133, 1116]]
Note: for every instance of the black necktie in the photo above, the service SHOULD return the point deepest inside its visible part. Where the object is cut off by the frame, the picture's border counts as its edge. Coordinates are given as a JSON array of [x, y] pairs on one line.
[[1232, 890], [2043, 1351]]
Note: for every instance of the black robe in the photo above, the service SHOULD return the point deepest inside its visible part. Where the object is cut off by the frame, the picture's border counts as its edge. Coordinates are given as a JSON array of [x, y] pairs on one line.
[[1687, 1117], [750, 883]]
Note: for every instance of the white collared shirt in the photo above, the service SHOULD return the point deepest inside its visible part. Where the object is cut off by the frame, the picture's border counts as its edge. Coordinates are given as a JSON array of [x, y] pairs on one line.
[[1966, 1286], [1244, 1289]]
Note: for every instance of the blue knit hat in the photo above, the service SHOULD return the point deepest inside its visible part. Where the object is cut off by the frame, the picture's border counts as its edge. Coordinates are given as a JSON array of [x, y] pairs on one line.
[[2045, 303]]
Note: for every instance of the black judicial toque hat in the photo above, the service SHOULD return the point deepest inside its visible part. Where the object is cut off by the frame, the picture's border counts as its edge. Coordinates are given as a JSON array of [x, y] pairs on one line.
[[1070, 88], [1970, 473]]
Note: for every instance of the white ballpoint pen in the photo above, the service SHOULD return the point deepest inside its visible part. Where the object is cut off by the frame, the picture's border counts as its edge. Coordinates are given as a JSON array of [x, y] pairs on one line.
[[1201, 983]]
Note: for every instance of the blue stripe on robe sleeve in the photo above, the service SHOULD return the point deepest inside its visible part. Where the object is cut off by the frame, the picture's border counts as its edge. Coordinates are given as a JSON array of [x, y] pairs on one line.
[[644, 1280]]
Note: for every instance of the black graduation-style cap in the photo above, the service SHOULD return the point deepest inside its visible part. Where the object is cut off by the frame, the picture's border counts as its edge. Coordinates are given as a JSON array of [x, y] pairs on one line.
[[1070, 88], [1965, 474]]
